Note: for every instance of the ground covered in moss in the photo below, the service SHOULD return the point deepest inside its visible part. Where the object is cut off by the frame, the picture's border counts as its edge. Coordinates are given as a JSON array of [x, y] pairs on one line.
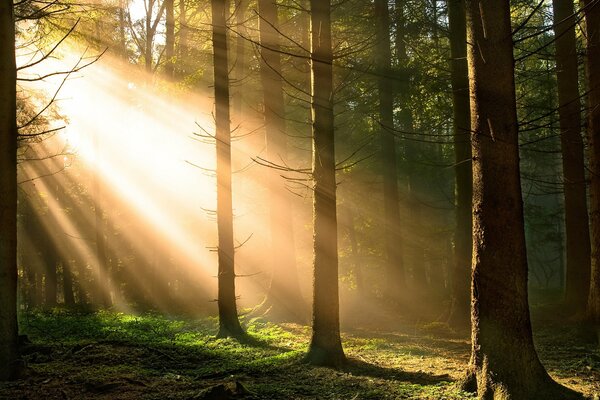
[[109, 355]]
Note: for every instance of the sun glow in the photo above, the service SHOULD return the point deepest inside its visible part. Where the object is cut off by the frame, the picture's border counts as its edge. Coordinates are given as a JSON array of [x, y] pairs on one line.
[[143, 158]]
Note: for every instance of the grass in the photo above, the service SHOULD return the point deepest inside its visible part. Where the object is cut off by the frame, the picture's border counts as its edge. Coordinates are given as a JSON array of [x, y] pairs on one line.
[[109, 355]]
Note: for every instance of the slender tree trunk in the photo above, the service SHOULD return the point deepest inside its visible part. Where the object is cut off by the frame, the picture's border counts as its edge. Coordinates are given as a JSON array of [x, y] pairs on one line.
[[149, 37], [240, 57], [592, 21], [101, 294], [169, 38], [229, 324], [8, 194], [576, 215], [67, 276], [283, 299], [504, 363], [412, 151], [459, 313], [182, 50], [325, 345], [395, 278], [51, 281]]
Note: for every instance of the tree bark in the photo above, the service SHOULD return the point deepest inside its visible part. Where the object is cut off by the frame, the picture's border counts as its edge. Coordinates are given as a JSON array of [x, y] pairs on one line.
[[592, 22], [325, 345], [576, 213], [169, 38], [240, 55], [8, 194], [284, 300], [504, 362], [229, 324], [459, 313], [395, 277]]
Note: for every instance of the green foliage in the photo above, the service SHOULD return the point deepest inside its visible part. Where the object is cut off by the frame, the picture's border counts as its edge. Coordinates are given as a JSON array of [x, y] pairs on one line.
[[89, 355]]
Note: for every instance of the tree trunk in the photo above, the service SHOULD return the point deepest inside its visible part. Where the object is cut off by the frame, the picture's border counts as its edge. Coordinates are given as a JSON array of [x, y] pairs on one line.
[[67, 276], [100, 293], [459, 313], [229, 324], [592, 21], [240, 55], [576, 216], [169, 38], [182, 50], [395, 278], [504, 363], [8, 194], [325, 345], [283, 299]]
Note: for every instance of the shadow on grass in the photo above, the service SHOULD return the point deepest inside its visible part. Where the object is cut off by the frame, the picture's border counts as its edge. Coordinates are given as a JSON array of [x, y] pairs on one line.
[[360, 368]]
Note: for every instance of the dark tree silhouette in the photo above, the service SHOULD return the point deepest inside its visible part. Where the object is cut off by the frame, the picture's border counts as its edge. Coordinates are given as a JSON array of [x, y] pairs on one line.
[[459, 313], [325, 345], [229, 324], [504, 362], [8, 193], [576, 212]]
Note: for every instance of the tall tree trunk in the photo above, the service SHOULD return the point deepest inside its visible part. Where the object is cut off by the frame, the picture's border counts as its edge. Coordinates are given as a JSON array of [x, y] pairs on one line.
[[459, 313], [395, 278], [283, 299], [50, 261], [412, 150], [182, 49], [8, 194], [325, 345], [169, 38], [592, 21], [240, 55], [100, 294], [576, 215], [229, 324], [504, 363], [67, 277]]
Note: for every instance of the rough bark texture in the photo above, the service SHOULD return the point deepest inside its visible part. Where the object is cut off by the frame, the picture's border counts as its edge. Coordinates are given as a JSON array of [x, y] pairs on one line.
[[229, 324], [8, 194], [325, 345], [283, 300], [395, 277], [576, 213], [592, 21], [504, 362], [459, 313]]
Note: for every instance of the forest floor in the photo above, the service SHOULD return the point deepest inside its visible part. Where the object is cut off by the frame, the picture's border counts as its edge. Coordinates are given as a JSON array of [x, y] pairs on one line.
[[109, 355]]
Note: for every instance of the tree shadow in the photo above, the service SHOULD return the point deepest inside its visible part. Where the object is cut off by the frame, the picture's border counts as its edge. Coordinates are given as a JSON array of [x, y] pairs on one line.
[[361, 368]]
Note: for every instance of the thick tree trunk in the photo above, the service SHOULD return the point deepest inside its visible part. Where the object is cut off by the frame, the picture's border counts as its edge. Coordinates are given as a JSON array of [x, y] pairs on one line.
[[592, 21], [576, 213], [8, 194], [325, 345], [459, 313], [504, 362], [229, 324], [395, 277], [283, 300]]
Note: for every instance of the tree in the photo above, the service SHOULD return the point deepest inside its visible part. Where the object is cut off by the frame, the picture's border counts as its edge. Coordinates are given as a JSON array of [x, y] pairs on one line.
[[8, 194], [325, 345], [459, 313], [504, 362], [284, 299], [393, 242], [575, 198], [592, 22], [229, 324]]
